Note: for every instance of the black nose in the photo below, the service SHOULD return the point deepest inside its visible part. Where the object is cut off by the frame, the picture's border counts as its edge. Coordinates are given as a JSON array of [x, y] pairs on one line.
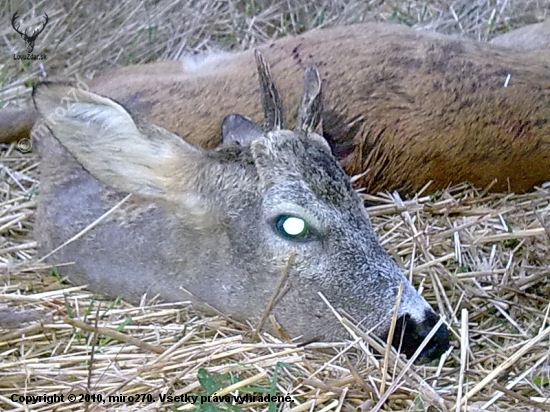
[[409, 334]]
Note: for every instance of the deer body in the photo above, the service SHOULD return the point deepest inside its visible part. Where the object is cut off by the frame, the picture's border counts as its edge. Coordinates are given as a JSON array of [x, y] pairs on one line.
[[216, 221], [408, 107]]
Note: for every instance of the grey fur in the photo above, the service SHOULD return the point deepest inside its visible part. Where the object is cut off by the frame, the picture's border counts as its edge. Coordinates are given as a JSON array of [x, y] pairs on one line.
[[239, 130], [206, 220]]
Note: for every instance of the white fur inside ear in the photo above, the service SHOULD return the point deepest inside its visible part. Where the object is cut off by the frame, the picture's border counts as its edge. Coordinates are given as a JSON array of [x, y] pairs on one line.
[[61, 105], [102, 112], [104, 138], [94, 108]]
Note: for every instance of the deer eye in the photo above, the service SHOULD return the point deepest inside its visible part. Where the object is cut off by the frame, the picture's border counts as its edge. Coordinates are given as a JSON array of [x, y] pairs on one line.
[[292, 227]]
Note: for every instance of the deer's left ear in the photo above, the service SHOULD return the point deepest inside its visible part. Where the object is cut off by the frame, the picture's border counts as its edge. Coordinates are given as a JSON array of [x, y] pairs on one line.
[[239, 130]]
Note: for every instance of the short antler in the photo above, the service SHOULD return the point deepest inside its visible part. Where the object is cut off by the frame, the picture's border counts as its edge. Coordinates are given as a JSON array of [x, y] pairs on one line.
[[309, 113], [273, 109]]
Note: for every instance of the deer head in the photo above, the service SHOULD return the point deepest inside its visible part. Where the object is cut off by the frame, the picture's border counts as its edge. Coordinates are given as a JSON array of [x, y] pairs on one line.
[[226, 221]]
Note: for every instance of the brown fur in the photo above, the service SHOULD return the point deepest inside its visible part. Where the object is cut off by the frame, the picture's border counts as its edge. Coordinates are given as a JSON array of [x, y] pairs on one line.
[[407, 107]]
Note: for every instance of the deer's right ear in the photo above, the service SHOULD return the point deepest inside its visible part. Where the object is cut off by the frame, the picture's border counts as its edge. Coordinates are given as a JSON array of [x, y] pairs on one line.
[[107, 142], [239, 130]]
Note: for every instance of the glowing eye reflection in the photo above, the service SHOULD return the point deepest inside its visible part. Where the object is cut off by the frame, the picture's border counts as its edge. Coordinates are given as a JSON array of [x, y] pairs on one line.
[[292, 227]]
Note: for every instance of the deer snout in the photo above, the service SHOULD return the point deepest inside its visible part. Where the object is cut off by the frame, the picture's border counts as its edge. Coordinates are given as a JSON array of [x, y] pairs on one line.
[[410, 333]]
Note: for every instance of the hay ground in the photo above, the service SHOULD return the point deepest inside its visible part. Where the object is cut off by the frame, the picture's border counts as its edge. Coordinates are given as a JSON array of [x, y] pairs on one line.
[[482, 260]]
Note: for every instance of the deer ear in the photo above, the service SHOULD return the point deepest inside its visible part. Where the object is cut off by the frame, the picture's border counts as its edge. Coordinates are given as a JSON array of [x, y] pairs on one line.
[[106, 140], [239, 130]]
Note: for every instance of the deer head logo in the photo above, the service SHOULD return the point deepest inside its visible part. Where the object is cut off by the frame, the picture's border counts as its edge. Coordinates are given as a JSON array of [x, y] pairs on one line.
[[29, 39]]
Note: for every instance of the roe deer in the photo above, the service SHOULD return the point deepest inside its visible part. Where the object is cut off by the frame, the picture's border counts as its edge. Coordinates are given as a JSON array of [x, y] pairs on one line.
[[221, 222], [406, 107]]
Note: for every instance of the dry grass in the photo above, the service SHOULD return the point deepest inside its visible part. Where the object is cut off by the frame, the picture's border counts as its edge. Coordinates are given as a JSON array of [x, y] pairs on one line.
[[482, 260]]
